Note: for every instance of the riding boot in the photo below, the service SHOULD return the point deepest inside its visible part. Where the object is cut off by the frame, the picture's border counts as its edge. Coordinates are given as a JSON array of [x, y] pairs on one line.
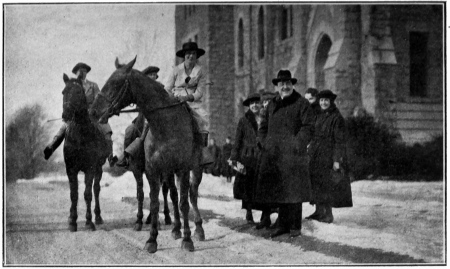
[[57, 140], [207, 158], [123, 161]]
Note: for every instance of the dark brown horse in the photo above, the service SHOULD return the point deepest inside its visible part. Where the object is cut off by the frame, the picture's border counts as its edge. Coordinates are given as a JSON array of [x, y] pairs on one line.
[[170, 146], [83, 151]]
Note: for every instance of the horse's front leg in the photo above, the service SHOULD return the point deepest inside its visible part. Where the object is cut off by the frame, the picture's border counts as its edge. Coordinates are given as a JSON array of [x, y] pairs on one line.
[[195, 180], [170, 181], [154, 182], [140, 198], [73, 182], [187, 243], [97, 179], [88, 181]]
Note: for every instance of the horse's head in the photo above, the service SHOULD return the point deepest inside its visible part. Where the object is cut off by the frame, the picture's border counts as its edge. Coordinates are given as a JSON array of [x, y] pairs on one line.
[[115, 94], [74, 100]]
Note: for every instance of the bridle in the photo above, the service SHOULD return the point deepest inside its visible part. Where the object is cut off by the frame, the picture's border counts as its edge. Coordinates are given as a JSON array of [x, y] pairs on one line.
[[114, 109]]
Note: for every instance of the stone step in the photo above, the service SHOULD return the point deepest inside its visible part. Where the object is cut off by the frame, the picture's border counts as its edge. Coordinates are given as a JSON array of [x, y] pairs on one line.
[[418, 136], [432, 107], [420, 115], [420, 125]]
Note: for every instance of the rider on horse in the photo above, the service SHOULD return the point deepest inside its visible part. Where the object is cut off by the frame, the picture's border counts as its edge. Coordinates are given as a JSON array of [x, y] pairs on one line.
[[91, 90], [138, 128]]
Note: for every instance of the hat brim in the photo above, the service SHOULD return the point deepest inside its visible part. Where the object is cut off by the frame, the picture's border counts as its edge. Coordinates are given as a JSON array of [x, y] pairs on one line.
[[181, 53], [78, 66], [330, 96], [276, 80], [149, 70], [249, 100]]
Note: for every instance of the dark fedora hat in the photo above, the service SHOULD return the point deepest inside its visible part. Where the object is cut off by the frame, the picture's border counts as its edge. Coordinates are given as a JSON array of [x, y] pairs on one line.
[[326, 94], [284, 75], [252, 97], [188, 47], [81, 65], [150, 69]]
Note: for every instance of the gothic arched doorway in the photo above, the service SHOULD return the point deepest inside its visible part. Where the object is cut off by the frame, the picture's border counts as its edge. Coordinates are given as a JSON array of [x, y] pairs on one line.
[[321, 58]]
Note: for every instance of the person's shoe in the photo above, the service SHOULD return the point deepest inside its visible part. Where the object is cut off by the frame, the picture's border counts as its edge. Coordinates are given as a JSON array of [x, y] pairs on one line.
[[279, 232], [124, 162], [249, 218], [112, 160], [314, 216], [294, 233], [326, 219], [265, 223], [274, 225], [319, 213]]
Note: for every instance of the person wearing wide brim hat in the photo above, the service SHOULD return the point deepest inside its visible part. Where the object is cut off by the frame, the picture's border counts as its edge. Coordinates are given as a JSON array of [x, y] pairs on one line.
[[252, 97], [244, 155], [79, 66], [190, 46], [187, 83], [330, 181]]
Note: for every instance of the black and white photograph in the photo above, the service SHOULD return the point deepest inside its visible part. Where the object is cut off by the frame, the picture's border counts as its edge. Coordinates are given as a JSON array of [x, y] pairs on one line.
[[236, 134]]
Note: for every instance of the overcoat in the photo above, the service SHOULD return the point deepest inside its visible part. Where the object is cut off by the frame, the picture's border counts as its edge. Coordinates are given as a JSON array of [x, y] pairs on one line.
[[328, 146], [283, 172], [245, 151]]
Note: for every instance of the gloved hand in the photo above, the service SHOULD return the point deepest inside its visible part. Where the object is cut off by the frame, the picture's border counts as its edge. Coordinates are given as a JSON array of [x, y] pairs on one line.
[[185, 98]]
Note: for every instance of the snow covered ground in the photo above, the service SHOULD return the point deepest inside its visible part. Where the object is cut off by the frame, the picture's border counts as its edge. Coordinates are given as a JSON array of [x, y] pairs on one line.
[[405, 219]]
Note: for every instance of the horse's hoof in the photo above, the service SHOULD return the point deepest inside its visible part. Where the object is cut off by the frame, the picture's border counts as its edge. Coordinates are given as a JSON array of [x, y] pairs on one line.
[[187, 244], [199, 235], [72, 227], [168, 220], [138, 227], [151, 247], [90, 226], [98, 220], [176, 235]]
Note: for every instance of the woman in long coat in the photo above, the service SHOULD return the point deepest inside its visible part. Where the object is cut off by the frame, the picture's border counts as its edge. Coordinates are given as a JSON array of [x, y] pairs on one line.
[[328, 165], [245, 151]]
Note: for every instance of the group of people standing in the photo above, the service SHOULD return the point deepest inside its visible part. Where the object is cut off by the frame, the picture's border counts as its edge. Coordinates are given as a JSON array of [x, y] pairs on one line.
[[290, 150], [294, 152]]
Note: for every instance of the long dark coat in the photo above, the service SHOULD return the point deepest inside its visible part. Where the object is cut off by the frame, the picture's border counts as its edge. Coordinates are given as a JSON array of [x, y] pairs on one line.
[[328, 146], [286, 130], [246, 152]]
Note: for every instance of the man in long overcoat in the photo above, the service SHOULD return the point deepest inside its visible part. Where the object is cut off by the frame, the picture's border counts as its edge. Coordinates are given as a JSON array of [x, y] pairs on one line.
[[285, 131]]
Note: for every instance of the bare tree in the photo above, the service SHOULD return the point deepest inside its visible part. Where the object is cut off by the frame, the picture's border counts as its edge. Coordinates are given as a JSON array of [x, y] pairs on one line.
[[25, 138]]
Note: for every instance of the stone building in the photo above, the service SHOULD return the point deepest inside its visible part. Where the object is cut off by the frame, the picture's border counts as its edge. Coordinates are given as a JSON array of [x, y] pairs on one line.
[[387, 59]]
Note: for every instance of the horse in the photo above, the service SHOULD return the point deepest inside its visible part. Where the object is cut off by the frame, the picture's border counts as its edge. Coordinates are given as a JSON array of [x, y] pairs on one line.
[[83, 151], [171, 146], [137, 167]]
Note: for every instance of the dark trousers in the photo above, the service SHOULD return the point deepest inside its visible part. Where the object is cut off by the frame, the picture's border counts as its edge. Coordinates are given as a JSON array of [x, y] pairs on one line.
[[290, 216]]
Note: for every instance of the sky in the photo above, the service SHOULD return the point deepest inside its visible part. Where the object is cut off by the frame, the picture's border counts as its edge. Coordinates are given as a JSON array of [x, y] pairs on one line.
[[42, 42]]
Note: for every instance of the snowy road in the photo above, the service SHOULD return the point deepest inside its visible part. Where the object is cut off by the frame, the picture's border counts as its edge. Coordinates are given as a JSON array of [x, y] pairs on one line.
[[390, 223]]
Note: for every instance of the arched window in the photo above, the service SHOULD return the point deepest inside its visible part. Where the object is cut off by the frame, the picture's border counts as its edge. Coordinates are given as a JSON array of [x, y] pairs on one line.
[[284, 23], [261, 33], [321, 58], [241, 44]]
